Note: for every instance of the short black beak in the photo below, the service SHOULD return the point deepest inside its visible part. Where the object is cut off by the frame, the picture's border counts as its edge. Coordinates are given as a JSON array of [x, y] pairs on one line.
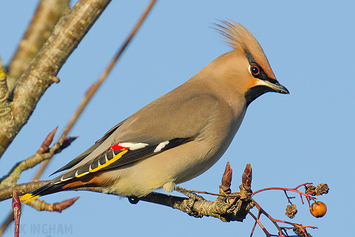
[[276, 86], [280, 89]]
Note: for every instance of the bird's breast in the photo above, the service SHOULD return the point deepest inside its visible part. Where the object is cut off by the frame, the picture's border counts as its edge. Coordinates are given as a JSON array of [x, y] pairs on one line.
[[211, 145]]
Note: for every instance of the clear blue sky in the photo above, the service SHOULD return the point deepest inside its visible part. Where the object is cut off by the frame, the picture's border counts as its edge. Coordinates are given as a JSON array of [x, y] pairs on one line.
[[307, 136]]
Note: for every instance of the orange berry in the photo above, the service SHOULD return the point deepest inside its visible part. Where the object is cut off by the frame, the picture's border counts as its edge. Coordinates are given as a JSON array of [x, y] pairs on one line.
[[318, 209]]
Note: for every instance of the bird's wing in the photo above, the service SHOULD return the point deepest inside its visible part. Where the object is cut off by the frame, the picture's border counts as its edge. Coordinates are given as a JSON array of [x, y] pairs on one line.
[[119, 155], [144, 134], [82, 156]]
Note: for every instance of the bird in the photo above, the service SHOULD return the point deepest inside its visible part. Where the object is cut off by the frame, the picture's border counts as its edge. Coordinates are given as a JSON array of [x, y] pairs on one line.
[[179, 135]]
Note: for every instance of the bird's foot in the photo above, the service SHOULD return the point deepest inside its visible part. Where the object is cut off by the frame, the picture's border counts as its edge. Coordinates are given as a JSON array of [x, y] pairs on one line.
[[193, 197]]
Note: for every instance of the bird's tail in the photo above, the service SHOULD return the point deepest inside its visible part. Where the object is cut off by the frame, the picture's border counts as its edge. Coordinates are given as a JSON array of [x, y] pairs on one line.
[[41, 191]]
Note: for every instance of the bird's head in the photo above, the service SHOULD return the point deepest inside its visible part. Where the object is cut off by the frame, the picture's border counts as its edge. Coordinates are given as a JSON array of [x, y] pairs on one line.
[[248, 64]]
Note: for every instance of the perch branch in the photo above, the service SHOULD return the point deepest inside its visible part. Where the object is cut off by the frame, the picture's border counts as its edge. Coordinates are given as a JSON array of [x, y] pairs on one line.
[[227, 207]]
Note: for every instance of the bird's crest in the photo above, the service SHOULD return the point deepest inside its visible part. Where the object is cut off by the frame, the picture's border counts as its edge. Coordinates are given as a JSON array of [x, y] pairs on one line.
[[240, 38]]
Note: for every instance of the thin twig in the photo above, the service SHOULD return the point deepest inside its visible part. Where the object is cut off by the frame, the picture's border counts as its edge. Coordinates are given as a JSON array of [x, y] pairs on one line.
[[306, 195], [43, 153], [7, 222], [262, 211], [257, 221]]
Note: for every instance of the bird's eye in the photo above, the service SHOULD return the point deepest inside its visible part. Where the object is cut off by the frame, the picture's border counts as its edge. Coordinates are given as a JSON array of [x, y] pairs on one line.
[[255, 70]]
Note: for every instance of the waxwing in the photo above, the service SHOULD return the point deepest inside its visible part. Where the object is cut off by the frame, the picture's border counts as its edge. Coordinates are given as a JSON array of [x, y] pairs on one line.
[[181, 134]]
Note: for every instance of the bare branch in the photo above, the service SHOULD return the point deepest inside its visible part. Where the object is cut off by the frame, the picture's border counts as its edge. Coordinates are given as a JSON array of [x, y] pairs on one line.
[[14, 174], [227, 207], [47, 14], [43, 69], [21, 189], [4, 95], [43, 154]]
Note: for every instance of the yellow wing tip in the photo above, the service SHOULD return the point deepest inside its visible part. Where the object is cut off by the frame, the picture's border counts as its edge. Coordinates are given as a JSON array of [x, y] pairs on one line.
[[27, 198]]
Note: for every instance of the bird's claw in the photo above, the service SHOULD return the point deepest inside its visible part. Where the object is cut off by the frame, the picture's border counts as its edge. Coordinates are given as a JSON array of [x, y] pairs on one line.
[[133, 200], [193, 197]]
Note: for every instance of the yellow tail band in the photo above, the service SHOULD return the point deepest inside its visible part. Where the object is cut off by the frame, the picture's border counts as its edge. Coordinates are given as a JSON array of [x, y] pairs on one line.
[[27, 198]]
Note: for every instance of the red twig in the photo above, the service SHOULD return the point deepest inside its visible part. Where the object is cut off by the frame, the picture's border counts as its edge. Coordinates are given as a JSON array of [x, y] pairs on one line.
[[262, 211], [288, 198], [302, 185], [295, 224], [259, 223], [306, 195], [16, 207], [275, 222]]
